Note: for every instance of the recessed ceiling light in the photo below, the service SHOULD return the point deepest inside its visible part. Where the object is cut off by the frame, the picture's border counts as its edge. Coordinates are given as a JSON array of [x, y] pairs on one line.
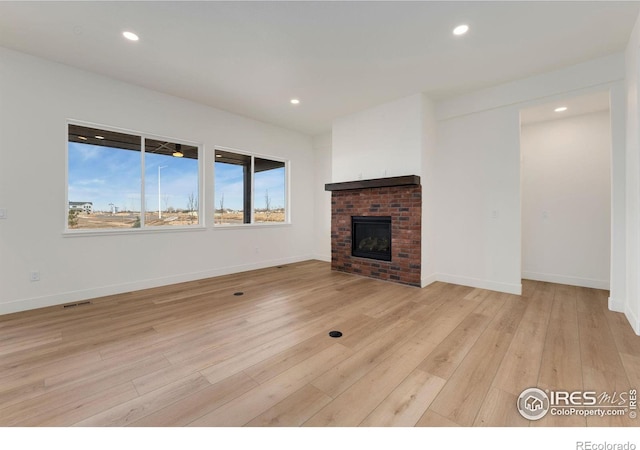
[[295, 101], [82, 138], [560, 109], [99, 137], [460, 30], [218, 156], [131, 36]]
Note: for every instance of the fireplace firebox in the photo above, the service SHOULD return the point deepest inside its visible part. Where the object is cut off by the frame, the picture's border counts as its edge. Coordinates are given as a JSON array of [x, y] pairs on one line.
[[371, 237]]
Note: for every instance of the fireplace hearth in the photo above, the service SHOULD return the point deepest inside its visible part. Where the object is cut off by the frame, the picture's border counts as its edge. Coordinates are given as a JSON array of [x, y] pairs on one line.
[[371, 237]]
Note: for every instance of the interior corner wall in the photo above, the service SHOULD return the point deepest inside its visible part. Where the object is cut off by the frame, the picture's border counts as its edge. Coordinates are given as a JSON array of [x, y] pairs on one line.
[[566, 200], [37, 98], [429, 192], [322, 198], [631, 306]]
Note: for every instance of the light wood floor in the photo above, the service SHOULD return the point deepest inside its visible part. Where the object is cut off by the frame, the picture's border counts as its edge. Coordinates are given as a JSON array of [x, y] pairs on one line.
[[196, 354]]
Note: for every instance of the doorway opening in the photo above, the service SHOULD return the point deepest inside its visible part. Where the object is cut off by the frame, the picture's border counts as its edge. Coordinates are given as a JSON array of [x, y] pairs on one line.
[[566, 157]]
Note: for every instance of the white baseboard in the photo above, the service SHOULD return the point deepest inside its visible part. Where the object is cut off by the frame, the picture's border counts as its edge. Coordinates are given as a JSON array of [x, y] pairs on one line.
[[87, 294], [563, 279], [426, 281], [325, 258], [509, 288], [633, 319], [616, 305]]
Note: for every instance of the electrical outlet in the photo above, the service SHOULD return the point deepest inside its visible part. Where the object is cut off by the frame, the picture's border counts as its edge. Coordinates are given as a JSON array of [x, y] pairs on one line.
[[34, 275], [3, 213], [495, 213]]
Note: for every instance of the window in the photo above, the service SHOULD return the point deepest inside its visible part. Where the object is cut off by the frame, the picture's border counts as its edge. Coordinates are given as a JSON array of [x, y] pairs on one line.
[[110, 173], [171, 183], [249, 189]]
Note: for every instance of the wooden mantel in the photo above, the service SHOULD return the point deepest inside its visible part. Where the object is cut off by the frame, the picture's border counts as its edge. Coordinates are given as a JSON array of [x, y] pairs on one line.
[[406, 180]]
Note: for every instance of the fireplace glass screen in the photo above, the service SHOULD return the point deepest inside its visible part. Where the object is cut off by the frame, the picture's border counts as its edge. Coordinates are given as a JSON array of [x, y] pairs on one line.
[[371, 237]]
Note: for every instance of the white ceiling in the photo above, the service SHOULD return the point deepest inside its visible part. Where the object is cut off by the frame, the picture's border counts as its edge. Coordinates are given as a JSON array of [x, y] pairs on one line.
[[576, 105], [251, 58]]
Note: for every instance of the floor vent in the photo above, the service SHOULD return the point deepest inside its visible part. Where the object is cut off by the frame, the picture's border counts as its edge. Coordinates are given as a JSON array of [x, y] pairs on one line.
[[71, 305]]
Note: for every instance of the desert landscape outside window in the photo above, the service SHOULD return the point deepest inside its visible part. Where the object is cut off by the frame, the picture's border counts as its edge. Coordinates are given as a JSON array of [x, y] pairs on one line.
[[249, 189], [109, 173], [171, 184]]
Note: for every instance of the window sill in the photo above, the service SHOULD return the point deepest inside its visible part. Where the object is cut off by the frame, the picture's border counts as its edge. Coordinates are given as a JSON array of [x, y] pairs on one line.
[[131, 231]]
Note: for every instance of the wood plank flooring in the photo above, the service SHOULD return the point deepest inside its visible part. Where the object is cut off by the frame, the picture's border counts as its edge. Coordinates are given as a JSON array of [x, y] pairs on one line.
[[195, 354]]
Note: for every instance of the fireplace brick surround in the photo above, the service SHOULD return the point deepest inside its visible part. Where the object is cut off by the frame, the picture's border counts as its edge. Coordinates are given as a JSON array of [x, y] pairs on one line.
[[404, 204]]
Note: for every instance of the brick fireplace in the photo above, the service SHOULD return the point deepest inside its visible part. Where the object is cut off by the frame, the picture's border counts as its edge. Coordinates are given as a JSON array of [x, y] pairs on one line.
[[399, 198]]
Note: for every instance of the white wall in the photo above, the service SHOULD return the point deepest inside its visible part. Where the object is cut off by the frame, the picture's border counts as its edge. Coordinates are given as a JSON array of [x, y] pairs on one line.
[[478, 169], [36, 99], [478, 201], [566, 200], [631, 305], [618, 277], [322, 198], [384, 141], [428, 178]]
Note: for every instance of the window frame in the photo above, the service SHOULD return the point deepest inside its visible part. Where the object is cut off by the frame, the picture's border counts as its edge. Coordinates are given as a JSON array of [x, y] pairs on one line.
[[253, 223], [201, 225]]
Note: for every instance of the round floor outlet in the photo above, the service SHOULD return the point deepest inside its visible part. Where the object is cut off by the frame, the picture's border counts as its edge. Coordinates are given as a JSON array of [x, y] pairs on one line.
[[335, 334]]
